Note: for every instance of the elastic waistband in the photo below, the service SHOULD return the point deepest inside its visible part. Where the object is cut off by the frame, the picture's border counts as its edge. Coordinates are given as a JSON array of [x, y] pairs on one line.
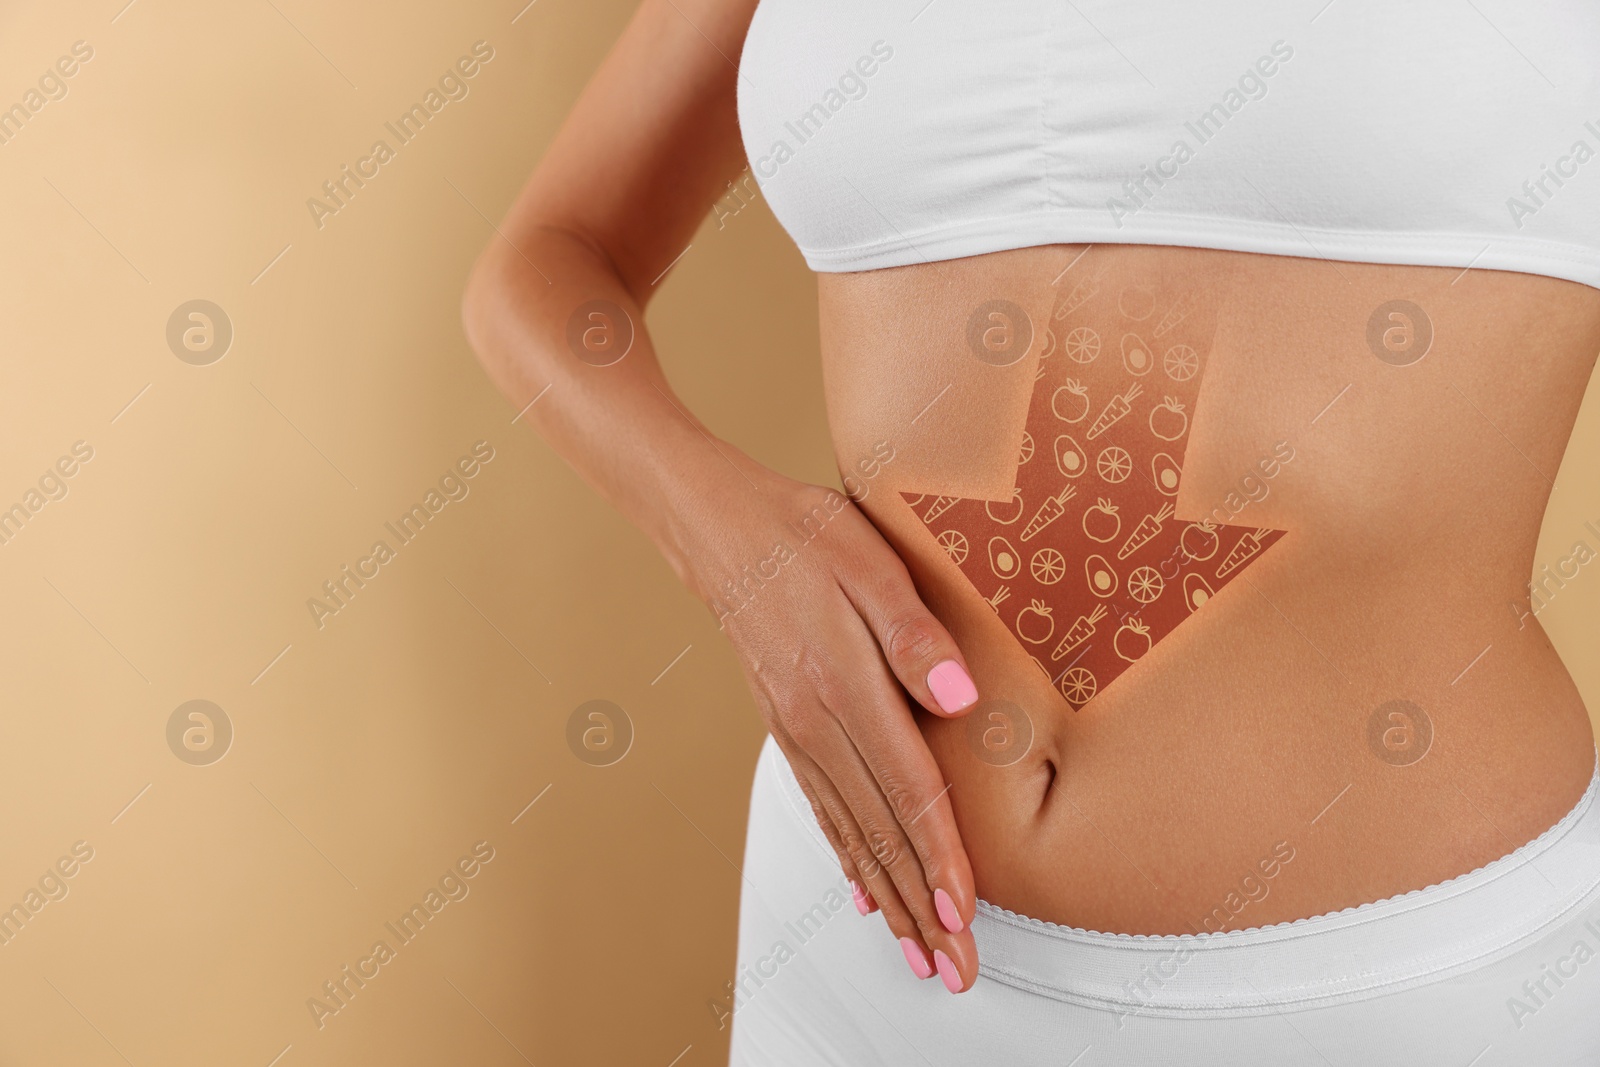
[[1422, 936]]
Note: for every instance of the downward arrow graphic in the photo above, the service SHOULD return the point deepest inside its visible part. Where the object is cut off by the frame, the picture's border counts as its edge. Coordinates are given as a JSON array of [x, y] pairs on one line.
[[1085, 564]]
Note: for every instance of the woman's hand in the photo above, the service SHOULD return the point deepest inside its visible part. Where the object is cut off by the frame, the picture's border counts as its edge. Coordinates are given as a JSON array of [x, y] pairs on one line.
[[832, 636], [836, 638]]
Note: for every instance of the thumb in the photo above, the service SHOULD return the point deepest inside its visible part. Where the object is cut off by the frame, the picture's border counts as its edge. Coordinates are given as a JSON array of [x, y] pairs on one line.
[[917, 647]]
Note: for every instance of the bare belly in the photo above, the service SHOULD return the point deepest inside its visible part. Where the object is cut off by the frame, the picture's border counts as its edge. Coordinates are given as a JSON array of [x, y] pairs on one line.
[[1357, 707]]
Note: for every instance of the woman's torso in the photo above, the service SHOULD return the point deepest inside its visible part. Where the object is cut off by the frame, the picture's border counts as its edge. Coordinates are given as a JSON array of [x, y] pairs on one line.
[[1250, 764], [947, 154]]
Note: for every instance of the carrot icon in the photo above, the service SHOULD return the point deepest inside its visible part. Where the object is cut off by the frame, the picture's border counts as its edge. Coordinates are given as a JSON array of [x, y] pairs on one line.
[[1146, 531], [1114, 410], [1080, 295], [940, 505], [1000, 596], [1175, 314], [1079, 632], [1247, 547], [1048, 512]]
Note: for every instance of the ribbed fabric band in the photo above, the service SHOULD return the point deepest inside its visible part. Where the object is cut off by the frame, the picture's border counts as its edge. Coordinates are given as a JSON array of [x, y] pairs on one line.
[[1423, 936]]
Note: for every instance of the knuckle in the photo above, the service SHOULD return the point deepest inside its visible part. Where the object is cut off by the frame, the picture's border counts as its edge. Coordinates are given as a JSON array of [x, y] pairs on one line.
[[887, 848], [836, 687], [902, 798], [803, 729], [911, 638], [859, 849], [831, 689], [841, 849], [820, 813], [854, 844]]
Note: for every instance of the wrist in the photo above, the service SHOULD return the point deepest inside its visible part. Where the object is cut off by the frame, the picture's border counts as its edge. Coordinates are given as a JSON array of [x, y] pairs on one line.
[[728, 527]]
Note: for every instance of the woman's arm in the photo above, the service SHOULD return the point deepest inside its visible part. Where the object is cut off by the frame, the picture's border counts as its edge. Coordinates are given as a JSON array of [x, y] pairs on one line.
[[647, 149]]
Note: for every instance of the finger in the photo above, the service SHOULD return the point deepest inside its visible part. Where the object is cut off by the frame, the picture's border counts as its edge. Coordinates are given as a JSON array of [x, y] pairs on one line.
[[887, 838], [908, 778], [864, 901], [916, 871], [865, 904], [917, 647], [852, 843]]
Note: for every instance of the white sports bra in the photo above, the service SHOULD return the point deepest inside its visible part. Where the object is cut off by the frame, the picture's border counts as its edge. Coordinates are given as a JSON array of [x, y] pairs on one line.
[[1445, 132]]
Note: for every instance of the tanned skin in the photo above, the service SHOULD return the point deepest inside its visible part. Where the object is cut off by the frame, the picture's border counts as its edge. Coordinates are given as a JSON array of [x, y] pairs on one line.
[[1413, 508]]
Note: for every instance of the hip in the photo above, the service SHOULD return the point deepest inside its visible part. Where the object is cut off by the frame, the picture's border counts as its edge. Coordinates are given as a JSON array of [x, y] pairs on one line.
[[1170, 803], [1490, 964]]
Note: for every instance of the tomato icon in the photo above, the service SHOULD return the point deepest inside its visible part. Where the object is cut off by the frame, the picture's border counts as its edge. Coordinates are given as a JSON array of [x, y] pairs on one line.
[[1014, 508], [1132, 640], [1199, 541], [1034, 624], [1101, 521], [1070, 402], [1167, 419]]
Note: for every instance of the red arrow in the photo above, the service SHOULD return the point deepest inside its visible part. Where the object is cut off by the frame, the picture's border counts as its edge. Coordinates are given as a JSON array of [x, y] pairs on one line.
[[1085, 564]]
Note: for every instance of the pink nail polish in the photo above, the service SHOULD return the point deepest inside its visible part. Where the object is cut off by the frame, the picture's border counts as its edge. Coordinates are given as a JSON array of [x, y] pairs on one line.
[[948, 915], [860, 896], [947, 971], [952, 686], [917, 961]]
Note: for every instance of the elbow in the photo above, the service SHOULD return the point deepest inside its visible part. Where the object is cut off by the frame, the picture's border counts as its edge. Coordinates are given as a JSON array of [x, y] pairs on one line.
[[511, 311], [480, 303], [499, 313]]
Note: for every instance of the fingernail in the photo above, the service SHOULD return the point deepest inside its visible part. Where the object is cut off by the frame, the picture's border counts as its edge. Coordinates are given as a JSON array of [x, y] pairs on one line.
[[860, 897], [952, 686], [948, 915], [918, 962], [947, 971]]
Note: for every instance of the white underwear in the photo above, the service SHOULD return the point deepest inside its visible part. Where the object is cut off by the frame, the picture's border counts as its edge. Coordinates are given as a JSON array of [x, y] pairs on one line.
[[1497, 967]]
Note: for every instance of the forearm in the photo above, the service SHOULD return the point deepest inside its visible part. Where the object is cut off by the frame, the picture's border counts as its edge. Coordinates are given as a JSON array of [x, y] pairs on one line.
[[618, 425]]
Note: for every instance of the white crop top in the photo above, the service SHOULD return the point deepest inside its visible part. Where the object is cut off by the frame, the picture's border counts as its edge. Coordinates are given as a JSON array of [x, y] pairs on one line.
[[1442, 132]]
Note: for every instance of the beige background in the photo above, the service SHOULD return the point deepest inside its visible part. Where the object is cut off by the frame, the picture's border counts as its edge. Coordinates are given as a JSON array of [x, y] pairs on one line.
[[371, 754]]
